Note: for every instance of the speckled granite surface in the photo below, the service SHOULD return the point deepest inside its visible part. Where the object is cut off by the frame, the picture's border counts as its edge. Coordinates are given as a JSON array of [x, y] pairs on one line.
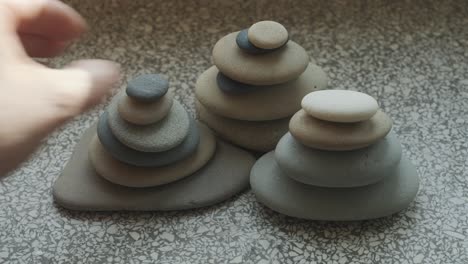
[[411, 55]]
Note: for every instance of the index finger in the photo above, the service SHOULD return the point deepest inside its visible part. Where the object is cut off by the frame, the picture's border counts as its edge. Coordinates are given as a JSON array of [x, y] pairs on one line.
[[11, 44]]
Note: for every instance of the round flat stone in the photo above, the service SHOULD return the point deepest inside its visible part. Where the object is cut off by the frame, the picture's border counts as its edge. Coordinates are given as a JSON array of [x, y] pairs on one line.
[[230, 86], [356, 168], [127, 175], [244, 44], [319, 134], [147, 87], [79, 187], [276, 67], [290, 197], [144, 113], [343, 106], [261, 136], [268, 34], [158, 137], [269, 103], [147, 159]]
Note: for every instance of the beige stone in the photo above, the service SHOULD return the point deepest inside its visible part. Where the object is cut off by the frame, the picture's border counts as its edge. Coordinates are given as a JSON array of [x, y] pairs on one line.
[[143, 113], [326, 135], [342, 106], [259, 136], [276, 67], [158, 137], [275, 102], [133, 176], [267, 34]]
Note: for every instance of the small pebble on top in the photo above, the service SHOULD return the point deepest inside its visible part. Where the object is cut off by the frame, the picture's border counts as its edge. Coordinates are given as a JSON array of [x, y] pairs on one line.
[[244, 44], [147, 87], [268, 35], [343, 106]]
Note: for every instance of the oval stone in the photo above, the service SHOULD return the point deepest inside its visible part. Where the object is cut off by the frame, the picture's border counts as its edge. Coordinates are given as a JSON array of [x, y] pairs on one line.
[[79, 187], [342, 106], [268, 35], [132, 176], [276, 67], [158, 137], [243, 43], [338, 168], [147, 87], [269, 103], [147, 159], [287, 196], [319, 134], [144, 113], [261, 136]]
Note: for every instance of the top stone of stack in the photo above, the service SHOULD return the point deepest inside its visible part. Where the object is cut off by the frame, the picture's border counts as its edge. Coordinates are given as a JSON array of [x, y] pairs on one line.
[[261, 55], [268, 35], [147, 87], [339, 120], [342, 106]]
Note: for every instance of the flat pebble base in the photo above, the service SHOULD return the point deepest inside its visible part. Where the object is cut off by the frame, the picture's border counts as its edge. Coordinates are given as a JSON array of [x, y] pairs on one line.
[[132, 176], [79, 187], [261, 136], [282, 194]]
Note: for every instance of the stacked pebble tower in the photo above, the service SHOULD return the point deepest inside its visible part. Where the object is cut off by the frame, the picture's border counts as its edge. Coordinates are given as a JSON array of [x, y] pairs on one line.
[[340, 161], [256, 85], [146, 139]]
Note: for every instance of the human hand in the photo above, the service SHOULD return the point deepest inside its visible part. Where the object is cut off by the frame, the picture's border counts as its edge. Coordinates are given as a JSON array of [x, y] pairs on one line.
[[34, 99]]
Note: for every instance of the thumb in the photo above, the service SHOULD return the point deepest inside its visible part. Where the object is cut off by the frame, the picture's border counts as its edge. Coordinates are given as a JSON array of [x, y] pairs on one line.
[[82, 84]]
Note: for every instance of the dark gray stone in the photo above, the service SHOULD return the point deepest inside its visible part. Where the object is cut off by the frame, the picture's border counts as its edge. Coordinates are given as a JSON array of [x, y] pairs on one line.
[[231, 86], [338, 168], [282, 194], [146, 159], [79, 187], [147, 87]]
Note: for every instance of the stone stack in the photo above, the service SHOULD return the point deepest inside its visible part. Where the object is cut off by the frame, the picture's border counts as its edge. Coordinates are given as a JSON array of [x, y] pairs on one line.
[[340, 161], [150, 154], [256, 85]]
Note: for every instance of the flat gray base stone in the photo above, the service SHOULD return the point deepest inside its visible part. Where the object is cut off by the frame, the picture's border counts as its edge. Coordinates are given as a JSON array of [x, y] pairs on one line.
[[79, 187], [352, 168], [287, 196]]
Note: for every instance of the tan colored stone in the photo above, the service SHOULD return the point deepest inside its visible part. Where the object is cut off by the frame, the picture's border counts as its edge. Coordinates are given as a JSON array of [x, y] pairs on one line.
[[158, 137], [344, 106], [259, 136], [143, 113], [79, 187], [273, 102], [268, 34], [133, 176], [319, 134], [280, 66]]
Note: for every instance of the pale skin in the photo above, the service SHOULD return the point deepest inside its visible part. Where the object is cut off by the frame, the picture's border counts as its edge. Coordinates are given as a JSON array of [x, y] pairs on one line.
[[35, 99]]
